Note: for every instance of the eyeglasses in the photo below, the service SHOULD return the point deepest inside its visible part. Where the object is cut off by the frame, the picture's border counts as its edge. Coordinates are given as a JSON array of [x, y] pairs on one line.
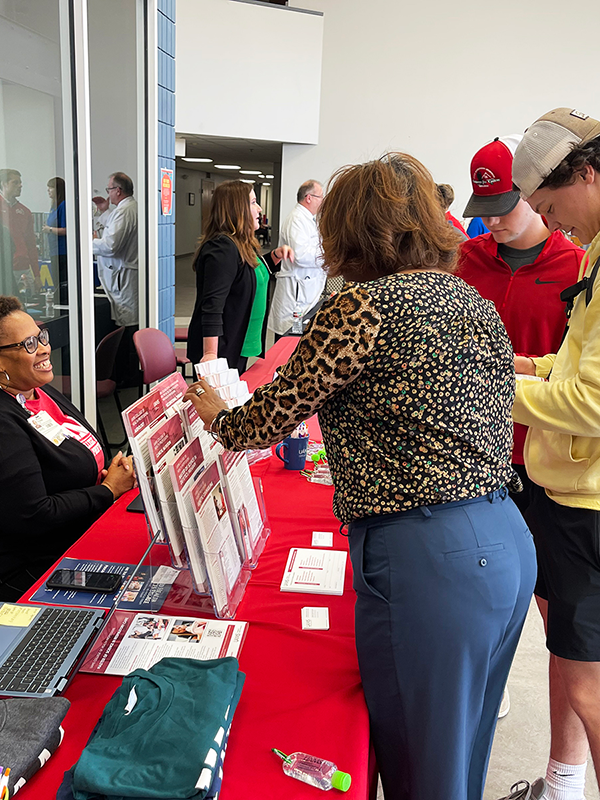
[[30, 344], [318, 196], [112, 188]]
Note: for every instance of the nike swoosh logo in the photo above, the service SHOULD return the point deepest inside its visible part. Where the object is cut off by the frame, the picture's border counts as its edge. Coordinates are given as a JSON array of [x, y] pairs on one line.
[[555, 772], [539, 282]]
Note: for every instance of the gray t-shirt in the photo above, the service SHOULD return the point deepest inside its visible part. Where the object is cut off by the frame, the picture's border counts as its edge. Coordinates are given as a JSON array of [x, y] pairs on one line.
[[519, 258]]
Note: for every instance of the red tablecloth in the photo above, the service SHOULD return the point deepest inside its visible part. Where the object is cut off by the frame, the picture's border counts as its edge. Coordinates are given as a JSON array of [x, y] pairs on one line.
[[302, 689]]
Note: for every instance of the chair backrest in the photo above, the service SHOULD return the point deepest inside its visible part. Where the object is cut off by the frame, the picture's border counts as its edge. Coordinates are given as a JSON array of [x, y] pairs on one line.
[[106, 352], [156, 353]]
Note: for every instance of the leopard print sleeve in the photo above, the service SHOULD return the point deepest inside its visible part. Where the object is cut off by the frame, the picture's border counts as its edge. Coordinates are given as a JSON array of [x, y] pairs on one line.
[[331, 354]]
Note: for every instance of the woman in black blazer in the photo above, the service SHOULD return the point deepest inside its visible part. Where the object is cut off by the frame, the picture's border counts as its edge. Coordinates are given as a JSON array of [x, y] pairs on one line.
[[53, 478], [229, 318]]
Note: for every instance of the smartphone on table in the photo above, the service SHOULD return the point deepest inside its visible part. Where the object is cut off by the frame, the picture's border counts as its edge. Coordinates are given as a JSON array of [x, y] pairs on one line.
[[84, 581]]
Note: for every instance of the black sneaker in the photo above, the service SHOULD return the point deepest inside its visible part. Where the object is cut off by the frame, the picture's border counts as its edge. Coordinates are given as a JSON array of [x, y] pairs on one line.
[[523, 790]]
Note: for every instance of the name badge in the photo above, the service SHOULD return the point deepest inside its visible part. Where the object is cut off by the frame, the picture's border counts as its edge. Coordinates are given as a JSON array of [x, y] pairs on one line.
[[43, 422]]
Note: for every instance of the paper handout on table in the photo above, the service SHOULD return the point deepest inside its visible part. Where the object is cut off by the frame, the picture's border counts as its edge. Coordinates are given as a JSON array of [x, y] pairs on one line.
[[185, 469], [148, 588], [166, 440], [315, 618], [130, 641], [221, 554], [314, 571], [140, 420]]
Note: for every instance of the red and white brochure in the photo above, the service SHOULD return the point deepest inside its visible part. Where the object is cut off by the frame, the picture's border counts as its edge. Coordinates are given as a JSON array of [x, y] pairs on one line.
[[171, 389], [166, 440], [184, 469], [132, 640], [221, 553]]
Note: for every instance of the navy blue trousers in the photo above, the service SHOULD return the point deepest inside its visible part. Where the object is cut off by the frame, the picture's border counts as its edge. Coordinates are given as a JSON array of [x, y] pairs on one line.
[[442, 594]]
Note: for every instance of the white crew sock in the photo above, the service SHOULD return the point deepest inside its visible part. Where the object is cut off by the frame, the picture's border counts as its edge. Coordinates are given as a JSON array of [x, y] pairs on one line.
[[564, 781]]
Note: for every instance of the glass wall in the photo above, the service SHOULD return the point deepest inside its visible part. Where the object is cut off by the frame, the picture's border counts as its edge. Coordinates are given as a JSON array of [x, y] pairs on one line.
[[33, 194]]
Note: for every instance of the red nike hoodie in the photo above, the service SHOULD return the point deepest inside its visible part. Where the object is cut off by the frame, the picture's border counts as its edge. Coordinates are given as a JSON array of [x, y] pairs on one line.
[[527, 300]]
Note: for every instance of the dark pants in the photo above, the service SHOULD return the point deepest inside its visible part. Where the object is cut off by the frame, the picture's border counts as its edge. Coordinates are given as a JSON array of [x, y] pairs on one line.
[[442, 594], [523, 499]]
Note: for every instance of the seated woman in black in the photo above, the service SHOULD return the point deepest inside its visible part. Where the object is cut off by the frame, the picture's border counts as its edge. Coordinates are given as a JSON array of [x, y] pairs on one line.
[[53, 481]]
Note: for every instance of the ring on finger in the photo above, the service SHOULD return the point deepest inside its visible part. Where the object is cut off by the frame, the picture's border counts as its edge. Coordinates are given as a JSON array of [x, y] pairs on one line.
[[200, 390]]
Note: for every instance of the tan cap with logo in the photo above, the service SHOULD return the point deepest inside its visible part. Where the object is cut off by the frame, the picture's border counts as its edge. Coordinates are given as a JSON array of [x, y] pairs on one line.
[[547, 142]]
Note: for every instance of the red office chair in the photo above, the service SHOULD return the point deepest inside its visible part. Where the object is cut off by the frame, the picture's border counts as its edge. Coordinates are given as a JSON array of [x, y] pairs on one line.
[[106, 353], [157, 355]]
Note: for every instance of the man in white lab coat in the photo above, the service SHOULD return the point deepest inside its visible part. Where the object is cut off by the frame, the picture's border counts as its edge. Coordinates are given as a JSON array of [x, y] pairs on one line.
[[117, 251], [301, 283]]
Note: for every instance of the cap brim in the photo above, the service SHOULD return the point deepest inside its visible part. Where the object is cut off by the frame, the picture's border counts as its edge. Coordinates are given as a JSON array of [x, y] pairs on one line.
[[496, 205]]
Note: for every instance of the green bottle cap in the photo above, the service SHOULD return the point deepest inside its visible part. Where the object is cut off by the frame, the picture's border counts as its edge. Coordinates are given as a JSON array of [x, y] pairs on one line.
[[341, 780]]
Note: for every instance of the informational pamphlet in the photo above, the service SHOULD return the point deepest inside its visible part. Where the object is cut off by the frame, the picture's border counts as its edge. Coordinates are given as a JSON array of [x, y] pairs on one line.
[[147, 590], [140, 420], [314, 571], [221, 554], [241, 497], [130, 641], [171, 389], [185, 469], [166, 440]]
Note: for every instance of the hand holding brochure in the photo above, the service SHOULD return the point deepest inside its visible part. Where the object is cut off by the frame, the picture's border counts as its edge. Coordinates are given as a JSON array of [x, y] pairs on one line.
[[314, 571]]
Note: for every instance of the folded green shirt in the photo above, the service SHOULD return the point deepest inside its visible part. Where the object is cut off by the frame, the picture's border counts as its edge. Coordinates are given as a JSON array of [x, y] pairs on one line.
[[161, 735]]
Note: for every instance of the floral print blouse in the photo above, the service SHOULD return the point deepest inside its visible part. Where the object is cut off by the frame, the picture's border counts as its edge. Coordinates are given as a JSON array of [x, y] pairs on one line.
[[413, 380]]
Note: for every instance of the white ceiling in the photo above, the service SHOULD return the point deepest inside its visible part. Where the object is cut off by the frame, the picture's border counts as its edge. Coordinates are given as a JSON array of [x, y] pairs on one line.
[[248, 153]]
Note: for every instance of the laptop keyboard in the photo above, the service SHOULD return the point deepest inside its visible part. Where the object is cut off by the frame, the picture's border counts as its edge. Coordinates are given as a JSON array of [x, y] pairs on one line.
[[35, 660]]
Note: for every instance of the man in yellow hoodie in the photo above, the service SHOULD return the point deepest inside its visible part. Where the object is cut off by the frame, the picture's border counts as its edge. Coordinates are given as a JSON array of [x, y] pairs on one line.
[[557, 169]]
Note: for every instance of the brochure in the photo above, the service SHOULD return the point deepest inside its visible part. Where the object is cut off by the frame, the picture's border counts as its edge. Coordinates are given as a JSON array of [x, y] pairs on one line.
[[314, 571], [184, 470], [148, 589], [140, 420], [241, 496], [130, 641], [166, 440], [221, 554], [171, 389]]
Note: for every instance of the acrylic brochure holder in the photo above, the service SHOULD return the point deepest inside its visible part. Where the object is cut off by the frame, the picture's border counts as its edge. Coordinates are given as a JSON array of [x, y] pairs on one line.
[[206, 514]]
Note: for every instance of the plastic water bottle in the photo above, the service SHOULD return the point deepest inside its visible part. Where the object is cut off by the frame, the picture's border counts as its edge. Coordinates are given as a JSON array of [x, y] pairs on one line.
[[49, 303], [314, 771], [297, 324]]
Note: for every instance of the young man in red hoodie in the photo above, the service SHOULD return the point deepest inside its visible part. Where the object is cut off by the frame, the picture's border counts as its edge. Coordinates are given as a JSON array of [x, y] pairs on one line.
[[519, 265]]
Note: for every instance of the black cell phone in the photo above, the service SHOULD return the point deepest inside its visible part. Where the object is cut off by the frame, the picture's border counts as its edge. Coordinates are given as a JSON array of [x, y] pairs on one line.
[[83, 581]]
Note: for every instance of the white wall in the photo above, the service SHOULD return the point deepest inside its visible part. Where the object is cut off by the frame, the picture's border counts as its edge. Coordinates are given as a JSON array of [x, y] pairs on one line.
[[248, 71], [113, 95], [441, 79]]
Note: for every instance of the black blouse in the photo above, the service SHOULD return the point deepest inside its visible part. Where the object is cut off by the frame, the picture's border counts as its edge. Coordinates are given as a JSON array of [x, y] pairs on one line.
[[413, 379], [48, 494]]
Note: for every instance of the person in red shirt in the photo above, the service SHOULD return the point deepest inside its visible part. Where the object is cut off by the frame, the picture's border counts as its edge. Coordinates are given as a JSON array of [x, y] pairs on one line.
[[519, 265], [446, 195], [17, 220]]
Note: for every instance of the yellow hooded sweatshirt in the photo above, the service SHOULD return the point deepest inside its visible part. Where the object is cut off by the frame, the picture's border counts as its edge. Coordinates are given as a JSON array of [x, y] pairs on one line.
[[562, 449]]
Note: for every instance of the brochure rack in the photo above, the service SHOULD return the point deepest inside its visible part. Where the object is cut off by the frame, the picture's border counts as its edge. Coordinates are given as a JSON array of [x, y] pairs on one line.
[[200, 500]]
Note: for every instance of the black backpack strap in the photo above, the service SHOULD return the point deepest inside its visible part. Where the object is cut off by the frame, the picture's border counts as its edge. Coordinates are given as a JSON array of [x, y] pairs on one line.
[[589, 290]]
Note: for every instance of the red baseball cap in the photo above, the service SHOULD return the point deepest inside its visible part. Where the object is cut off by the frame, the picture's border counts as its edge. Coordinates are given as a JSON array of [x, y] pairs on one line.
[[491, 177]]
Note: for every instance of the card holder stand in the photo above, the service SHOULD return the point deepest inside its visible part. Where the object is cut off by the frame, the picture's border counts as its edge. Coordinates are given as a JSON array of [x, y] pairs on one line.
[[260, 542]]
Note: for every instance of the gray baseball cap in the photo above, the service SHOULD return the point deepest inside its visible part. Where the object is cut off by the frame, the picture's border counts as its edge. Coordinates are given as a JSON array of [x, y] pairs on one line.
[[547, 142]]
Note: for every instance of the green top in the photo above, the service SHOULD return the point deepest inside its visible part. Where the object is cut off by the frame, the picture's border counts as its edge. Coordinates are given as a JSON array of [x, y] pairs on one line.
[[253, 342]]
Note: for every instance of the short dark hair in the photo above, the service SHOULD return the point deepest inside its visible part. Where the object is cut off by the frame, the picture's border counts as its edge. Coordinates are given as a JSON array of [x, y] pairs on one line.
[[7, 174], [8, 306], [307, 188], [571, 166], [382, 217], [123, 181]]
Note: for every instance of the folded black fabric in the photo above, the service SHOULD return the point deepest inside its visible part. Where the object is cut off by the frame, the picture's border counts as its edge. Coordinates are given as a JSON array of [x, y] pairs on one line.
[[29, 733]]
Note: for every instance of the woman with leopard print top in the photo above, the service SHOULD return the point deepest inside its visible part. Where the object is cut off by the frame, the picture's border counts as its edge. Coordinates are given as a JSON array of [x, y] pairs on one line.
[[411, 373]]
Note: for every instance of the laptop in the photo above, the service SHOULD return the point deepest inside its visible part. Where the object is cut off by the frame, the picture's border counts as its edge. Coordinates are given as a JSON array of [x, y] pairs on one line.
[[42, 646]]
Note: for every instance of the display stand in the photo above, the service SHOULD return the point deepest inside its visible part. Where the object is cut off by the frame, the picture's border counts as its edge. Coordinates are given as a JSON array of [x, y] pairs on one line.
[[206, 517]]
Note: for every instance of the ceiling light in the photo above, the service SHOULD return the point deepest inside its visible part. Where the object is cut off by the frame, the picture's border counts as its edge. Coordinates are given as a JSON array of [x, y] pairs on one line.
[[245, 180], [269, 176], [199, 160], [261, 175], [227, 166], [249, 172], [266, 184]]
